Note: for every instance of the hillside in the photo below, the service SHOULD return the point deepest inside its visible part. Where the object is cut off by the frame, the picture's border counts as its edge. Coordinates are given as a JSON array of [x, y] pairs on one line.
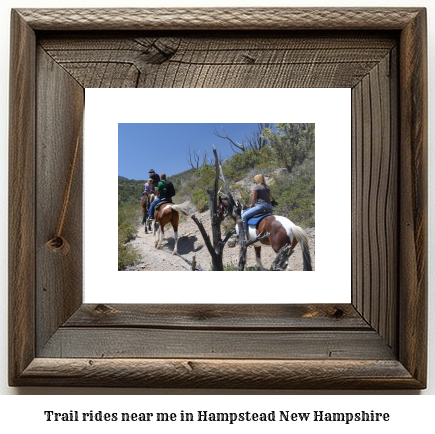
[[129, 190], [294, 192]]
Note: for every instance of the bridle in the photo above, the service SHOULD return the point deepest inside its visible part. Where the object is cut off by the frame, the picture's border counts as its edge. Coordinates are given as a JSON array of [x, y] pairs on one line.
[[222, 211]]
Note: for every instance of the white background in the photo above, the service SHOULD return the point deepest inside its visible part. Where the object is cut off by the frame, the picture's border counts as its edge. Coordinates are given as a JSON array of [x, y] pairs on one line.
[[105, 108], [411, 413]]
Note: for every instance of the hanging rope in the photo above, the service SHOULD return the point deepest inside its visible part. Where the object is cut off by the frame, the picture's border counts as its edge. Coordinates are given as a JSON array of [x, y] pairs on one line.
[[58, 244]]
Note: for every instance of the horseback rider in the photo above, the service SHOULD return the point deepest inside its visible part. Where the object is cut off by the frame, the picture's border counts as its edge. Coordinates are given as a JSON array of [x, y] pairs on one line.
[[161, 189], [156, 179], [149, 188], [260, 201]]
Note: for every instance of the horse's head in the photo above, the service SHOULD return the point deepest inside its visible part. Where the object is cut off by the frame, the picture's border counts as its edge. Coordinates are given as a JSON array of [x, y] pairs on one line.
[[222, 208]]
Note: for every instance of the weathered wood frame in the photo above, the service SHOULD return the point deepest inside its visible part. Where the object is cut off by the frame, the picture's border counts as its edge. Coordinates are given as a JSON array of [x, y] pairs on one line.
[[377, 341]]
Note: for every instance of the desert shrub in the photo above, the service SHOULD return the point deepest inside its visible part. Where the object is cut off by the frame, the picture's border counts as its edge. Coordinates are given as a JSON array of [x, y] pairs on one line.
[[128, 221], [291, 143], [234, 267], [200, 200], [230, 267], [239, 165], [297, 203], [295, 194], [126, 256], [205, 175]]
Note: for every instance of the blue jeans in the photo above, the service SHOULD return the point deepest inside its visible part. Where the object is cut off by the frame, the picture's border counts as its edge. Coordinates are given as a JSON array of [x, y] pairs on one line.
[[250, 212], [153, 205]]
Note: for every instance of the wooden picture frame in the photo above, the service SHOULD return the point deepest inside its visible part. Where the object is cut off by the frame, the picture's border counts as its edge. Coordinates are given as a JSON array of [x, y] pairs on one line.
[[376, 342]]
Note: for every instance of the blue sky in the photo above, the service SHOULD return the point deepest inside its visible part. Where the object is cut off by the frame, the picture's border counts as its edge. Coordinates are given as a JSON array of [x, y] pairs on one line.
[[165, 147]]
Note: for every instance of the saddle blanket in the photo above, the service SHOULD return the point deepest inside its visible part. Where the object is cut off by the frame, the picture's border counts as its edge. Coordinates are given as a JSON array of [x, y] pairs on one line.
[[162, 203], [257, 219]]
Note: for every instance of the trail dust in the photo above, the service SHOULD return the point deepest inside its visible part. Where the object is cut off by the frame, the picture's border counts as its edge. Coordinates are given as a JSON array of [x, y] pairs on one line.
[[191, 243]]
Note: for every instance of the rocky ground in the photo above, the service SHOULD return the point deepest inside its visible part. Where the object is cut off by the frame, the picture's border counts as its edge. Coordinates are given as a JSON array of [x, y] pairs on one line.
[[191, 243]]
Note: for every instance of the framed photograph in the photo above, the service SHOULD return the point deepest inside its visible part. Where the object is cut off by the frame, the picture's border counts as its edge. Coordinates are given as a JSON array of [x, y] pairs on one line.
[[376, 341]]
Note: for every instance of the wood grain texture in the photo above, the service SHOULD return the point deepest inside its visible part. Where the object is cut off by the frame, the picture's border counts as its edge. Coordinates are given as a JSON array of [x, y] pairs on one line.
[[236, 60], [220, 317], [301, 345], [59, 279], [377, 342], [413, 187], [375, 198], [228, 374], [21, 197], [220, 18]]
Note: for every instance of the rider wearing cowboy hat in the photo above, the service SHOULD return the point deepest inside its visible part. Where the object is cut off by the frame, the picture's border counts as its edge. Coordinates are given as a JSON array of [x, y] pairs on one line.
[[156, 179]]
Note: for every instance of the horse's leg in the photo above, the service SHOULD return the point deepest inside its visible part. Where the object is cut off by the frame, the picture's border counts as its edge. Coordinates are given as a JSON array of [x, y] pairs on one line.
[[154, 232], [294, 242], [158, 220], [144, 211], [175, 251], [174, 222], [144, 221], [258, 258], [161, 235]]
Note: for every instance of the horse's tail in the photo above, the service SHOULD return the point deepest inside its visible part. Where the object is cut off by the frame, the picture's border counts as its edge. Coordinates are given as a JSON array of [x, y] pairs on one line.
[[302, 238], [179, 209]]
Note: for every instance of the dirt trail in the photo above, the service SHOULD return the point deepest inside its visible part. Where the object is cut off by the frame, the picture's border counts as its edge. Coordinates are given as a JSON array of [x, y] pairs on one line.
[[191, 243]]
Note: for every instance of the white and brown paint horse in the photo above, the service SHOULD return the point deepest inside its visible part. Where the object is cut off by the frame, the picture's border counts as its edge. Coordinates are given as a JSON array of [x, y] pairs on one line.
[[145, 202], [282, 232], [166, 213]]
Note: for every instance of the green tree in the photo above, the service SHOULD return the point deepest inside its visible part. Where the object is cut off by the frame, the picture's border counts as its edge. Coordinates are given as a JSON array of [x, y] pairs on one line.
[[291, 143]]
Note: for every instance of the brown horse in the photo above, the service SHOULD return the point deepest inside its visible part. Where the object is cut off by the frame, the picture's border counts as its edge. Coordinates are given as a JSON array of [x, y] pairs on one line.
[[282, 232], [167, 213], [145, 202]]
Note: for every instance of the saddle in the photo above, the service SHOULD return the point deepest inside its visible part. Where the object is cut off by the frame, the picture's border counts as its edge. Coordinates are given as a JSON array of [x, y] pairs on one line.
[[257, 219], [162, 202]]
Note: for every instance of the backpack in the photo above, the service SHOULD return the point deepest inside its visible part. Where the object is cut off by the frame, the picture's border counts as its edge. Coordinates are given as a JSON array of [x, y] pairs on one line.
[[170, 190]]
